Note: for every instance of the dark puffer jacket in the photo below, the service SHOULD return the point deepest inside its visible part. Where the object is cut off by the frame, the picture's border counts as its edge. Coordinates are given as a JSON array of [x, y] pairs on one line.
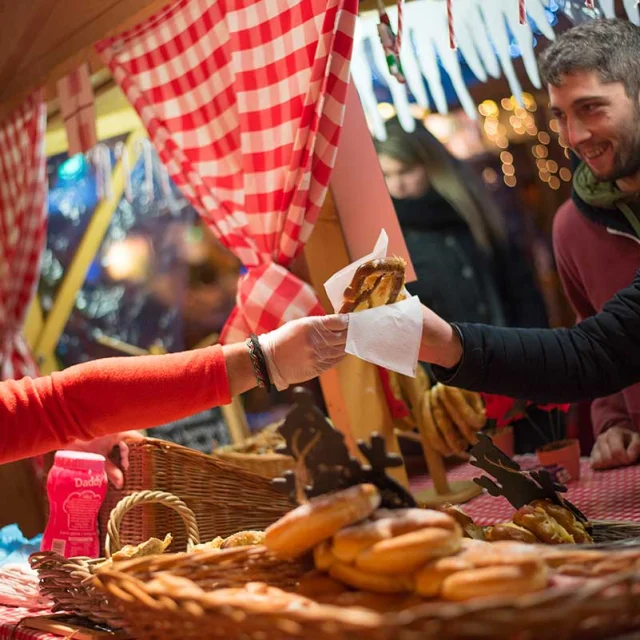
[[597, 357]]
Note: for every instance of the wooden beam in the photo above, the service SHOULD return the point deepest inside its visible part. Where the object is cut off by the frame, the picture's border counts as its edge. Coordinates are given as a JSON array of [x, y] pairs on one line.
[[67, 42]]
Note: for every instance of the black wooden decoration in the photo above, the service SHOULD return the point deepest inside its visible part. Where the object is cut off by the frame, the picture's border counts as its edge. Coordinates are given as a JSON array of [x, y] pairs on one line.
[[517, 486], [323, 462]]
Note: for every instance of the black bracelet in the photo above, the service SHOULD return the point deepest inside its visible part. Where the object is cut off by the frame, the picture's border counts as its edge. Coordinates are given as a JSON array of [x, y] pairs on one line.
[[259, 362]]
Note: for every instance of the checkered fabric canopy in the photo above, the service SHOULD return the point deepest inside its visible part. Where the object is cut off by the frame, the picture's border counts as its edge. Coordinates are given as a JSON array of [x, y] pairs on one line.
[[23, 189], [244, 102]]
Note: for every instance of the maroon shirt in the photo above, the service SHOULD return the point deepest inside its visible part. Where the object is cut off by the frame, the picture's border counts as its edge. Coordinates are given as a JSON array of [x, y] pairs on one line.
[[594, 262]]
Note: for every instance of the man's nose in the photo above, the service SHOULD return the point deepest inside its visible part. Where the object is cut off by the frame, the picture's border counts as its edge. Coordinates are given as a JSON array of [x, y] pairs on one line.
[[577, 133]]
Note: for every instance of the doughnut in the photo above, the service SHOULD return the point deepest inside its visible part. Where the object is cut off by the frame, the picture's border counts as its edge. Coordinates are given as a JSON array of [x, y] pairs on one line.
[[430, 578], [546, 528], [478, 415], [566, 519], [509, 531], [428, 429], [349, 542], [303, 528], [243, 539], [323, 556], [409, 552], [452, 436], [501, 580], [368, 581], [458, 409]]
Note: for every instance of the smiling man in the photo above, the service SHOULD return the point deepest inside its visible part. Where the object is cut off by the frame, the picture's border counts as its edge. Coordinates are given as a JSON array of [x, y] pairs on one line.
[[593, 77]]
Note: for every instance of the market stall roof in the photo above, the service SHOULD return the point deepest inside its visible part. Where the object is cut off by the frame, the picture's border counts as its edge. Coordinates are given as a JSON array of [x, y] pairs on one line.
[[43, 40]]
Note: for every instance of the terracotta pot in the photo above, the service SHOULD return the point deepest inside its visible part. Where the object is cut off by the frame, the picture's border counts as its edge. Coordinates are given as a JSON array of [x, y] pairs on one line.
[[564, 453], [504, 440]]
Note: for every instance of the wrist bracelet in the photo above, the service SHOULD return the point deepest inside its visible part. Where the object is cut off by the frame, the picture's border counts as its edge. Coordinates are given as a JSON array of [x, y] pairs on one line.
[[258, 362]]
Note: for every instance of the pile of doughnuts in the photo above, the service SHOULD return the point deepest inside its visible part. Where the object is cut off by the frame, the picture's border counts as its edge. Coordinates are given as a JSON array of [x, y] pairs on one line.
[[451, 418], [447, 418], [403, 551], [541, 521]]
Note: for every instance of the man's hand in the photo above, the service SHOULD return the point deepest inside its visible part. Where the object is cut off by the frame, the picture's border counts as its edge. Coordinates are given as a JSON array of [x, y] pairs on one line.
[[616, 447], [440, 343], [103, 446]]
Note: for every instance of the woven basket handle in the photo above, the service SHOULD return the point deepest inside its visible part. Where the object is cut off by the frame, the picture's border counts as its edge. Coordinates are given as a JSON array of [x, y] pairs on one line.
[[113, 544]]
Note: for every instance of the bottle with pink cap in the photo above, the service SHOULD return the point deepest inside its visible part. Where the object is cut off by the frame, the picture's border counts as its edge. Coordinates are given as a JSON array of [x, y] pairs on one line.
[[76, 486]]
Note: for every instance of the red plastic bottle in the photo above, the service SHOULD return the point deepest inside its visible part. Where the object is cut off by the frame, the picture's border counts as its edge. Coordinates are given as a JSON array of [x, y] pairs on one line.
[[76, 486]]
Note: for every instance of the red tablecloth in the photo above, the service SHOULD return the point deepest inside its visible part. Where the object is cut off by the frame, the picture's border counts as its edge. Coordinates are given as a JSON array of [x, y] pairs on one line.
[[601, 495], [9, 624]]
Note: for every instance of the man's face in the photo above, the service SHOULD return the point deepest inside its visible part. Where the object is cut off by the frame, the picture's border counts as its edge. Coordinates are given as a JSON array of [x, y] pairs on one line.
[[600, 123]]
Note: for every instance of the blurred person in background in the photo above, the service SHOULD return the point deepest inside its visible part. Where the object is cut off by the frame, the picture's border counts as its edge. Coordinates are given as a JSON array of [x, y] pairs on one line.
[[466, 269]]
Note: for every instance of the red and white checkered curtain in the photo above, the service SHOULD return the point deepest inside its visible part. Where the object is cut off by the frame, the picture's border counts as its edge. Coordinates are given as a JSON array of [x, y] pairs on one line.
[[244, 102], [23, 208]]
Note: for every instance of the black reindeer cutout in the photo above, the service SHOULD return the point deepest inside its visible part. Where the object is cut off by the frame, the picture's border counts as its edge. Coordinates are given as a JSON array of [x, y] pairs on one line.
[[323, 462], [517, 486]]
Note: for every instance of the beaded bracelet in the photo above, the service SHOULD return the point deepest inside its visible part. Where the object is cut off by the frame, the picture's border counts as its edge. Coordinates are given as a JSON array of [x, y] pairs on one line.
[[258, 362]]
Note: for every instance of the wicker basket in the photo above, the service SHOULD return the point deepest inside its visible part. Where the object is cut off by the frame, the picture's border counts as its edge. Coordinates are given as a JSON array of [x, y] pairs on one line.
[[256, 453], [597, 608], [269, 465], [68, 581], [224, 498]]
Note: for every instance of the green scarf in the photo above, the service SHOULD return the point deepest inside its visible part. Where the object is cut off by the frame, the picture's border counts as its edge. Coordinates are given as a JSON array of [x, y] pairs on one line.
[[605, 195]]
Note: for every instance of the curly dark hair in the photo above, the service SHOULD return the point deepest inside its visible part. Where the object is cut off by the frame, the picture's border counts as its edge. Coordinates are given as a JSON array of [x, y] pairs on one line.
[[611, 48]]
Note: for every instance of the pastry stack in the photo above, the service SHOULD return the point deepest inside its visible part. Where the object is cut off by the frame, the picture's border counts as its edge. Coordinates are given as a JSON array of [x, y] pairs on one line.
[[404, 551], [541, 521]]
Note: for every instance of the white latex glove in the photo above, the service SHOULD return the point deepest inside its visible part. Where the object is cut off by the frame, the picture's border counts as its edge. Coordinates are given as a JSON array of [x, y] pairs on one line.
[[303, 349], [103, 446]]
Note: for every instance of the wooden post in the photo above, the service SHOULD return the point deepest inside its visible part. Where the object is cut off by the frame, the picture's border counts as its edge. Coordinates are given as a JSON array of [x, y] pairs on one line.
[[352, 391]]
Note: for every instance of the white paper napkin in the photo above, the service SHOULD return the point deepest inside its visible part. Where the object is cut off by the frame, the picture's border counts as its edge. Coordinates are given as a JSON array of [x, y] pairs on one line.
[[388, 336]]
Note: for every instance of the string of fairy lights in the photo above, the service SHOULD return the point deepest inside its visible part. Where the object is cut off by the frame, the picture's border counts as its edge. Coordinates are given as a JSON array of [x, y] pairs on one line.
[[507, 122]]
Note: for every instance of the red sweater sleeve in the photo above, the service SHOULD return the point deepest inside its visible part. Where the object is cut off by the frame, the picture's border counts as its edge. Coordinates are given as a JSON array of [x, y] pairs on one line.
[[611, 410], [106, 396]]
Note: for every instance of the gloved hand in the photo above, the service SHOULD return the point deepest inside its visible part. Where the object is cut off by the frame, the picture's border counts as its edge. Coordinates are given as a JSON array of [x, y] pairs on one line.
[[303, 349]]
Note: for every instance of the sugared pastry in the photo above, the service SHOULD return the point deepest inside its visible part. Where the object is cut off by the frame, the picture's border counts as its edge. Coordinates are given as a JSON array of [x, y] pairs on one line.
[[374, 284], [309, 524], [509, 531], [566, 519], [546, 528]]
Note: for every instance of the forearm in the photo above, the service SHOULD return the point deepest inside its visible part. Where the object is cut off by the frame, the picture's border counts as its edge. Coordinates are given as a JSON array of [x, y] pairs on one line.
[[542, 365], [105, 396]]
